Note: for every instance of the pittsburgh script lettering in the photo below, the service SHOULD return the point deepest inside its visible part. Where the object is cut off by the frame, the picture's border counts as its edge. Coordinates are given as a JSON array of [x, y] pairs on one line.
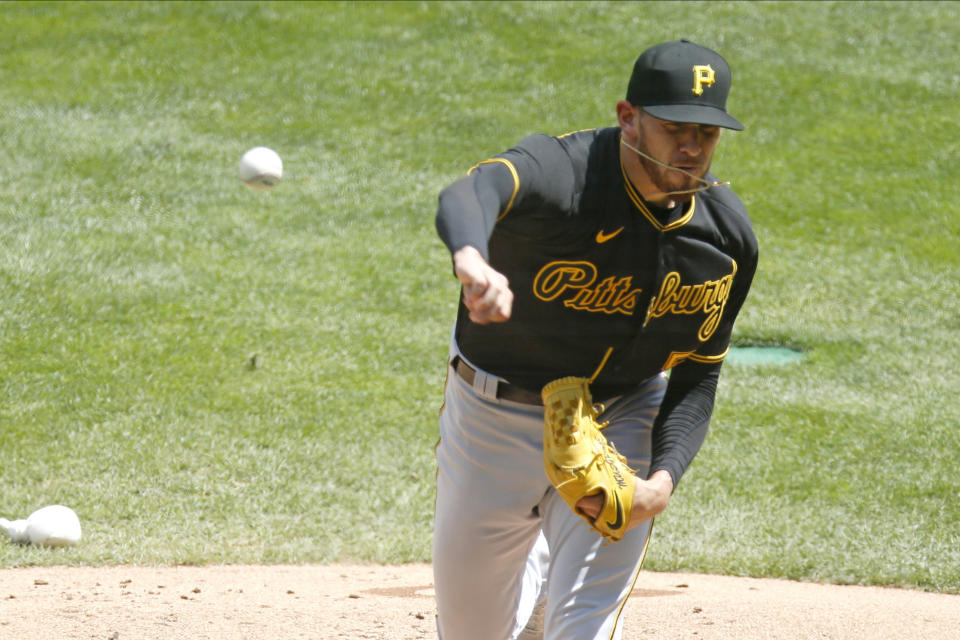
[[709, 297], [575, 282]]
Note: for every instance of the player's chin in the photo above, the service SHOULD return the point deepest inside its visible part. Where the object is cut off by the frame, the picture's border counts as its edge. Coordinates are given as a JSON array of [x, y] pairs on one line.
[[683, 191]]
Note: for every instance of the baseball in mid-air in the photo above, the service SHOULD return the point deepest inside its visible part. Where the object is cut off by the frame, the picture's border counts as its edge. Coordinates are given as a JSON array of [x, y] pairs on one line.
[[261, 168]]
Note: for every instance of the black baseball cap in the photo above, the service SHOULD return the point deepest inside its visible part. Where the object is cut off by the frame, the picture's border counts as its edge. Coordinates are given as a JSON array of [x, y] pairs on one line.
[[681, 81]]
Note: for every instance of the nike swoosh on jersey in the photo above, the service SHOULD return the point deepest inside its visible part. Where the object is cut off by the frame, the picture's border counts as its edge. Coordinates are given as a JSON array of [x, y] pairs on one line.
[[616, 524], [603, 237]]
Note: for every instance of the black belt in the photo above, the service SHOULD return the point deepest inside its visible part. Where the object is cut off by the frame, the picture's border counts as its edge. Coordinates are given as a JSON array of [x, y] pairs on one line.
[[505, 390]]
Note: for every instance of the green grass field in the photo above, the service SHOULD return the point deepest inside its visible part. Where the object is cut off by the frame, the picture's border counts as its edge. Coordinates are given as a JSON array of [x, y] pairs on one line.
[[208, 374]]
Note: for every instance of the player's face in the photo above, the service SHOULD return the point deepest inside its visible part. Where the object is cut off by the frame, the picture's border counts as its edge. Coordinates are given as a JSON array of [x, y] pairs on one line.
[[683, 145]]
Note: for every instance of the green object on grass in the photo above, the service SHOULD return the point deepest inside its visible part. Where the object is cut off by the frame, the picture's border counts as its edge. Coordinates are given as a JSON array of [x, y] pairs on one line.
[[764, 355]]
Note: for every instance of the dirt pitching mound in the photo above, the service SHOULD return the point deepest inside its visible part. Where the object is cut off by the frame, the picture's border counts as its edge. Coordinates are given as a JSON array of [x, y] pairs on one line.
[[327, 602]]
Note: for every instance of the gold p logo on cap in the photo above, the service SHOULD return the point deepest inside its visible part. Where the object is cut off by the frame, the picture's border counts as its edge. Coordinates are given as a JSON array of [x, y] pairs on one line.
[[702, 74]]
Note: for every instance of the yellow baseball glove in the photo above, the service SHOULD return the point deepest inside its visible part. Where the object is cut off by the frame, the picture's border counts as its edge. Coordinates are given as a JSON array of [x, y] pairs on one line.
[[578, 459]]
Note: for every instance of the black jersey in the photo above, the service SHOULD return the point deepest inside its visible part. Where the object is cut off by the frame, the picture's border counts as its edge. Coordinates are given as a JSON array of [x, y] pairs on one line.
[[593, 267]]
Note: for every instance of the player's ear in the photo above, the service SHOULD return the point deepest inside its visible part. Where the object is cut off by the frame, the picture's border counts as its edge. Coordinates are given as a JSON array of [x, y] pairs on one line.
[[628, 116]]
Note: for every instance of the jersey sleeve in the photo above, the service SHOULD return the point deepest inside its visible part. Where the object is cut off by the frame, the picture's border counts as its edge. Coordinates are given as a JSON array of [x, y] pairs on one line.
[[469, 208], [681, 425], [523, 188]]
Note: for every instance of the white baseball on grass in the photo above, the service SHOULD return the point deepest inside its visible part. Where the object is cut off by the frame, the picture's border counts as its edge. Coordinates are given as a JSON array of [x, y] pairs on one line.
[[53, 526], [261, 168]]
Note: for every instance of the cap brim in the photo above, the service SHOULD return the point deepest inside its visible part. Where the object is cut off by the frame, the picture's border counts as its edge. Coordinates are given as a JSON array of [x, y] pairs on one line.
[[695, 113]]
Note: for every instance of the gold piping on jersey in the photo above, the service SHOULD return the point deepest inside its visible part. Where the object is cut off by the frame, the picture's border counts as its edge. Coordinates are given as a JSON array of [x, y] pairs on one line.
[[561, 137], [516, 181], [676, 357], [710, 359], [603, 363], [639, 204]]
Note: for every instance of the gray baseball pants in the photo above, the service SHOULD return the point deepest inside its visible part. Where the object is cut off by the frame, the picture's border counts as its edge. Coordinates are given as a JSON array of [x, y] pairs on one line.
[[504, 539]]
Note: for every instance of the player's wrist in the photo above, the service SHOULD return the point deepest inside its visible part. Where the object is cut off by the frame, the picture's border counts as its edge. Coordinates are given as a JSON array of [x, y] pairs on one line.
[[651, 496], [662, 480], [467, 253]]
